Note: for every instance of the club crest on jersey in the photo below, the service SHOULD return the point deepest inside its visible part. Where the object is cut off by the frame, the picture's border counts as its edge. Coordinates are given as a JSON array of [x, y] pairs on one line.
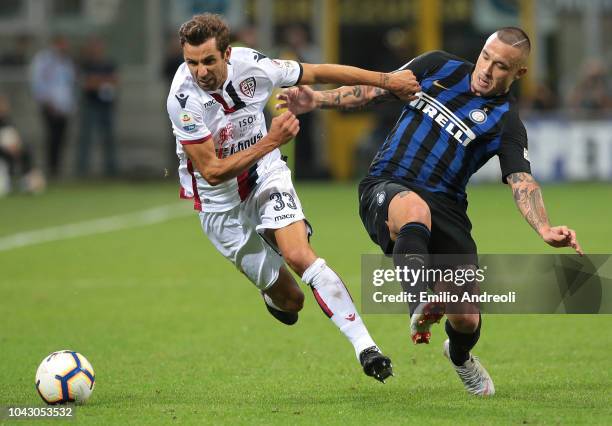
[[478, 116], [182, 99], [248, 86], [380, 198]]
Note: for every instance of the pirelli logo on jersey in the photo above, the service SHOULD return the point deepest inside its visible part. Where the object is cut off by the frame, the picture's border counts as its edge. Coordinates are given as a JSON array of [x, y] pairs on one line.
[[226, 151], [444, 117]]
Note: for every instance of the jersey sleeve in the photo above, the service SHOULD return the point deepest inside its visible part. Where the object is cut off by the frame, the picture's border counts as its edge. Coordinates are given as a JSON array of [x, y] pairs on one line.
[[425, 63], [283, 72], [187, 118], [513, 153]]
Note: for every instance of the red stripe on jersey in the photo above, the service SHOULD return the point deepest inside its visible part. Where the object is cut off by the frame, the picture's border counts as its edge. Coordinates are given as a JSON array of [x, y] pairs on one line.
[[322, 304], [247, 181], [197, 141], [197, 204], [226, 107], [242, 186], [183, 195]]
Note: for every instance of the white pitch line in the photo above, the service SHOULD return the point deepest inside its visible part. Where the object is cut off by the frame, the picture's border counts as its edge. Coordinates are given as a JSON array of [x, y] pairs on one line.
[[95, 226]]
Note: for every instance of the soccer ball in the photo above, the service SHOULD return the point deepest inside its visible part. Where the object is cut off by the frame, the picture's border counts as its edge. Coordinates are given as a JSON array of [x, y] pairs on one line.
[[65, 376]]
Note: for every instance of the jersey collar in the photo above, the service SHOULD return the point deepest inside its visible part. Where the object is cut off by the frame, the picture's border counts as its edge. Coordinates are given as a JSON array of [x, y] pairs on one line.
[[230, 76]]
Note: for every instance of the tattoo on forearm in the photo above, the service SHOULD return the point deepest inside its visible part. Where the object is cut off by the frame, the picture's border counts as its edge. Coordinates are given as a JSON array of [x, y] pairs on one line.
[[384, 80], [337, 99], [353, 98], [528, 198]]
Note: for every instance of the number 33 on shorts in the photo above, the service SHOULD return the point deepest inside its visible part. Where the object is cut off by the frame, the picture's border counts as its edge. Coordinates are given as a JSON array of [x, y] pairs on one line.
[[277, 202], [280, 203]]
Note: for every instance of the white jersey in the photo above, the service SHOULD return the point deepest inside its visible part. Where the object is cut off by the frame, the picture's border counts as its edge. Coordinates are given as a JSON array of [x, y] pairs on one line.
[[233, 117]]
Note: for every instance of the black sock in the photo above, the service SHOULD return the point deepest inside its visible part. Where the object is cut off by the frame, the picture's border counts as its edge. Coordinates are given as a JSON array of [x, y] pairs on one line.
[[461, 343], [411, 251]]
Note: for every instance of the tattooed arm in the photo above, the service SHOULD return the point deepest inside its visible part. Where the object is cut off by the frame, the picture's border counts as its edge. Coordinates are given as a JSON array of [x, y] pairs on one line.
[[528, 198], [362, 88], [302, 99], [352, 98]]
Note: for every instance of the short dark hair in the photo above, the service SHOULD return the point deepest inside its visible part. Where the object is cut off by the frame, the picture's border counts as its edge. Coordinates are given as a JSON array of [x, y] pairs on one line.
[[203, 27], [515, 37]]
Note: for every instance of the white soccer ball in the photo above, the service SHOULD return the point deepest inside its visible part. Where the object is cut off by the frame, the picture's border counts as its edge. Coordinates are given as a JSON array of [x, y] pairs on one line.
[[65, 376]]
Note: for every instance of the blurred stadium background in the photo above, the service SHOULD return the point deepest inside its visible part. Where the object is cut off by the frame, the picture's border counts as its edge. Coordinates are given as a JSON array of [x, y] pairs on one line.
[[566, 97]]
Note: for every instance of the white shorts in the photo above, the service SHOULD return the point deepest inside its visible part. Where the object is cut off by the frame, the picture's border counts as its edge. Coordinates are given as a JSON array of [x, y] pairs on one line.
[[235, 233]]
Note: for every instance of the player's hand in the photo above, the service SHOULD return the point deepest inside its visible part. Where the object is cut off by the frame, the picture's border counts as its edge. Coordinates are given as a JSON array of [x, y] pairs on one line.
[[561, 236], [298, 100], [403, 84], [284, 128]]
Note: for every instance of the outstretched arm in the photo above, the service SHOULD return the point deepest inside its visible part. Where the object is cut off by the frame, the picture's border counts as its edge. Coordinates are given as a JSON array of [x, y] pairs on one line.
[[303, 99], [403, 84], [528, 198]]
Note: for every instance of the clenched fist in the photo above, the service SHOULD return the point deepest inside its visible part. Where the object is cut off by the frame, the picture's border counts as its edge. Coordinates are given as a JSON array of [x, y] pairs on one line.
[[402, 84], [284, 128]]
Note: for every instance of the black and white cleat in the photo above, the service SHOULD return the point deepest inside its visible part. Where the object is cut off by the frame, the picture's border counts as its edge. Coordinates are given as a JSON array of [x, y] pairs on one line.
[[375, 364]]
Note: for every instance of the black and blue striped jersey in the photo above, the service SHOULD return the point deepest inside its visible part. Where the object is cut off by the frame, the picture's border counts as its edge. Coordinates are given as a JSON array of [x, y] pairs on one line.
[[447, 133]]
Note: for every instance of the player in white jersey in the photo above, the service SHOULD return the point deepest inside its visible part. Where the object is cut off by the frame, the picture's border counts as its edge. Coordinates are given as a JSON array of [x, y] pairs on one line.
[[241, 186]]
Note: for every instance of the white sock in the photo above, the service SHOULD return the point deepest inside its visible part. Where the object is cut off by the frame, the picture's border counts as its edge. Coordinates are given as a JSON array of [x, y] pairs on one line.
[[336, 302]]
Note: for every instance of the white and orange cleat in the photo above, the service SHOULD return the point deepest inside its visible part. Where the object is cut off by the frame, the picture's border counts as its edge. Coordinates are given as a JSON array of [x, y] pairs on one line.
[[424, 316], [473, 375]]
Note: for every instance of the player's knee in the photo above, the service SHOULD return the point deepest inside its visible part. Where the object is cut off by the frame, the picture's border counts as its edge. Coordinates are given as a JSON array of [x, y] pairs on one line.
[[408, 209], [296, 302], [416, 212], [465, 323], [293, 302]]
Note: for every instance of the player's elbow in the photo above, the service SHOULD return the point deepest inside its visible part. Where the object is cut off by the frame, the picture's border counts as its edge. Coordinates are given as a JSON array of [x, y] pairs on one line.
[[213, 181], [213, 178], [213, 175]]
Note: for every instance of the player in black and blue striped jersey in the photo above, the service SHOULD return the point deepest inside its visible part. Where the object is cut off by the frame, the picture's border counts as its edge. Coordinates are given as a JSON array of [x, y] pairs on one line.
[[413, 202]]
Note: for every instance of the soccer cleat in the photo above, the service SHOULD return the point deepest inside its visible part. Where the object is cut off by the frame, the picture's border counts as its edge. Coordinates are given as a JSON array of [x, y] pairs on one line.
[[288, 318], [473, 375], [375, 364], [424, 316]]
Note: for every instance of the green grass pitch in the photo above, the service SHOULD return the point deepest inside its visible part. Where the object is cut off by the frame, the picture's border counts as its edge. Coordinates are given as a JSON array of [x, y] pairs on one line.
[[176, 335]]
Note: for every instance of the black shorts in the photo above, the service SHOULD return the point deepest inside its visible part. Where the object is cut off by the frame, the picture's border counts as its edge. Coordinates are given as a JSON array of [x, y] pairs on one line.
[[450, 225]]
